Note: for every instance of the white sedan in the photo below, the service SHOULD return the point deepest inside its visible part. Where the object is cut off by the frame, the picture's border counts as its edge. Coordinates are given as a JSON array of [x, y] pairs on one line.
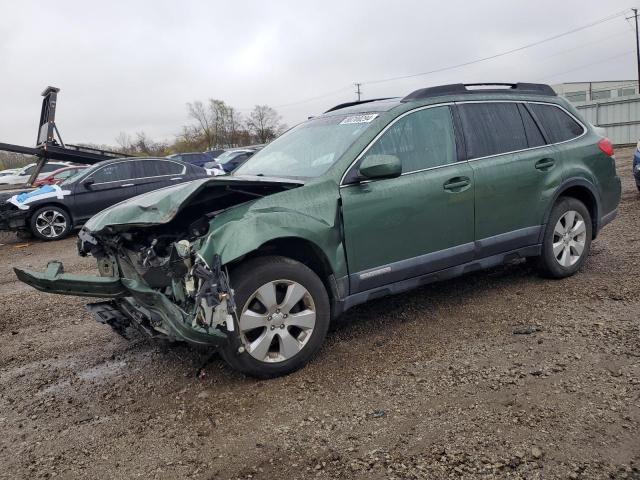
[[9, 171], [22, 175]]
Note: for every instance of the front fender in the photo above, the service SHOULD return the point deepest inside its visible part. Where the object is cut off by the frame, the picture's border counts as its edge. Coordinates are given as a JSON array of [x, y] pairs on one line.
[[314, 216]]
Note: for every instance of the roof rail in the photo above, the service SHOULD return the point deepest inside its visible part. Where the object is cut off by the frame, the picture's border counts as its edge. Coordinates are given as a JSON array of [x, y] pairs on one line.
[[461, 88], [358, 102]]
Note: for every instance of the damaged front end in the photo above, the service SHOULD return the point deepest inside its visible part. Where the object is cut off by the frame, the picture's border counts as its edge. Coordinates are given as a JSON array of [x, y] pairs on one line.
[[12, 218], [161, 288], [150, 268]]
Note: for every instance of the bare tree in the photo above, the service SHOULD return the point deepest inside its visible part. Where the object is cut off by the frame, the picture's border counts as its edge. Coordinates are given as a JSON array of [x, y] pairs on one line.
[[205, 121], [215, 125], [124, 141], [234, 127], [141, 145], [190, 140], [265, 123], [216, 122]]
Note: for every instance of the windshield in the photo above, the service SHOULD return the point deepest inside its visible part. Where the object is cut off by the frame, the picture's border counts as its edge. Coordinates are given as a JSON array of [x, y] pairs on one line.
[[309, 149]]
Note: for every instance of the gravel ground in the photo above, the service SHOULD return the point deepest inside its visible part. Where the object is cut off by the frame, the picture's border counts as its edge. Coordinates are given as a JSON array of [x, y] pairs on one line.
[[499, 374]]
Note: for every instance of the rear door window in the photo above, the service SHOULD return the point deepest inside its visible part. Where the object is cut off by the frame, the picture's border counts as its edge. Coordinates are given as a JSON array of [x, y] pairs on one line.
[[558, 125], [492, 128], [158, 168], [421, 140]]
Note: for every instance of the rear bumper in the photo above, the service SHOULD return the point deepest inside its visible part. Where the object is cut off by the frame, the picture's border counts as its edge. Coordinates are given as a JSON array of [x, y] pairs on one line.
[[149, 310]]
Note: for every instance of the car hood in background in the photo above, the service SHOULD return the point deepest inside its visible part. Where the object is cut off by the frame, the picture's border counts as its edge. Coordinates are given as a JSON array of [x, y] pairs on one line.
[[161, 206]]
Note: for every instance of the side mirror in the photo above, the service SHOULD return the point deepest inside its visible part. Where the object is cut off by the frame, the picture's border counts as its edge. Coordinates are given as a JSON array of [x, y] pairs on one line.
[[88, 182], [380, 166]]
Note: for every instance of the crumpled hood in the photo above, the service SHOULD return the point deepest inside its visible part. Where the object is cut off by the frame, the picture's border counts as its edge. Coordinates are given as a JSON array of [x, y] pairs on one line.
[[161, 206]]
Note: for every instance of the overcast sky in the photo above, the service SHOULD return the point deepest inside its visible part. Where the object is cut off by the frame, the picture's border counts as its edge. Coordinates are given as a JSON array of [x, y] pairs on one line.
[[128, 66]]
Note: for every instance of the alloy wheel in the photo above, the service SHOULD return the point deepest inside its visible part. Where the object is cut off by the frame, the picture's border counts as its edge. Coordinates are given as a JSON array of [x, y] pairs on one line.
[[277, 321], [569, 238], [51, 223]]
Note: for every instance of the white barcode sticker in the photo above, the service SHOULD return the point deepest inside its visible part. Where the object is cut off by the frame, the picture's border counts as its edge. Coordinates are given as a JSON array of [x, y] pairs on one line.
[[366, 118]]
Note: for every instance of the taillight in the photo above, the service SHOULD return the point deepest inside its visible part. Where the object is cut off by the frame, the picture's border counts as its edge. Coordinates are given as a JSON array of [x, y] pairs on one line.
[[606, 146]]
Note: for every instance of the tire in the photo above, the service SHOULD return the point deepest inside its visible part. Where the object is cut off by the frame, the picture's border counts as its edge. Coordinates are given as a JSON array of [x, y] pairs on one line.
[[572, 243], [50, 223], [286, 334]]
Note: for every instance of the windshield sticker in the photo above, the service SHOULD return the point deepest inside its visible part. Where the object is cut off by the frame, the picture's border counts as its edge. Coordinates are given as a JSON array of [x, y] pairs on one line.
[[367, 118], [22, 200]]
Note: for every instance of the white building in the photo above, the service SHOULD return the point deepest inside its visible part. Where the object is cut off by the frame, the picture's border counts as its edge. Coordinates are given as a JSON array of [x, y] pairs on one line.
[[613, 105], [586, 91]]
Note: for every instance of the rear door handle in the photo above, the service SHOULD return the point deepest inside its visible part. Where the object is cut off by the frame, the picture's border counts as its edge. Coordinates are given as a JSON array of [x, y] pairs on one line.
[[128, 185], [176, 178], [545, 164], [457, 184]]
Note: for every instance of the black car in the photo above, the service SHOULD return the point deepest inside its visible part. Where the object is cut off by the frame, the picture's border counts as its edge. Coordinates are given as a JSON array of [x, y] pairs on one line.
[[215, 153], [50, 212]]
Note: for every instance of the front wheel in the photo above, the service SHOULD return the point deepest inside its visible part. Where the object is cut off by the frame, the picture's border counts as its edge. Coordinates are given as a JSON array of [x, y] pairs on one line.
[[567, 239], [50, 223], [283, 316]]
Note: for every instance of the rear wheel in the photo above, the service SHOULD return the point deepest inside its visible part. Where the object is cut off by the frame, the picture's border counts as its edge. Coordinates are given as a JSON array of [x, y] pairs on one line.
[[50, 223], [283, 317], [567, 239]]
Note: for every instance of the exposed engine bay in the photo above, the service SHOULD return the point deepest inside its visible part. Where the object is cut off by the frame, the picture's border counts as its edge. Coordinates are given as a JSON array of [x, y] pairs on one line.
[[167, 263], [164, 258]]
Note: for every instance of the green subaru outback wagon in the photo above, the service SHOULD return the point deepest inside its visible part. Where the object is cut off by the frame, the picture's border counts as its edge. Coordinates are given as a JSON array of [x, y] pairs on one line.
[[371, 198]]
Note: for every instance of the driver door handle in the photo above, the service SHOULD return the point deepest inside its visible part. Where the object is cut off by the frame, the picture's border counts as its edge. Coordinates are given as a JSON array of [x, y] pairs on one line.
[[128, 185], [457, 184]]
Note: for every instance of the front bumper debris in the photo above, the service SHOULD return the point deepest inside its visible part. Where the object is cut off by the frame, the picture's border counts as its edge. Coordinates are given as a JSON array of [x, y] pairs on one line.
[[132, 302], [108, 313], [54, 280]]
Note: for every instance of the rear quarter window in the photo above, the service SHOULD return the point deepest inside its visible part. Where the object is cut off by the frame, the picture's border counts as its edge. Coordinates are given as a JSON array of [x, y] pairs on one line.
[[557, 124]]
